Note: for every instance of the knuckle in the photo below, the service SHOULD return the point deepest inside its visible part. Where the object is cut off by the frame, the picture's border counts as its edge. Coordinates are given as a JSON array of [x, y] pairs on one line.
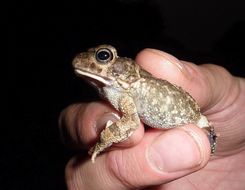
[[69, 125], [73, 175], [117, 163]]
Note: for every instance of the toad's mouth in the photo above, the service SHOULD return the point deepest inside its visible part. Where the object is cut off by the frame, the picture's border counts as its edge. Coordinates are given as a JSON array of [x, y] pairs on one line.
[[93, 78]]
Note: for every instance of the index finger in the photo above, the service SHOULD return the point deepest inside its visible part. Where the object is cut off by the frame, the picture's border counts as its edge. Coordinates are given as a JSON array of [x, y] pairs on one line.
[[199, 81]]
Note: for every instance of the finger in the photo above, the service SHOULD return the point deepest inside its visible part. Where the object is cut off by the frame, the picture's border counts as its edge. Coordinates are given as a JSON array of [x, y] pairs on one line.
[[202, 82], [159, 158], [80, 124]]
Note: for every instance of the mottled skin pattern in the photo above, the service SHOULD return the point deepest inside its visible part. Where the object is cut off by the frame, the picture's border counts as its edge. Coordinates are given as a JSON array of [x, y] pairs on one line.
[[137, 95]]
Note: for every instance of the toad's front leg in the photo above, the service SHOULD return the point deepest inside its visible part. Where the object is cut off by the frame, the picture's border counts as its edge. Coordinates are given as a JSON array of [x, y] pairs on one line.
[[121, 129]]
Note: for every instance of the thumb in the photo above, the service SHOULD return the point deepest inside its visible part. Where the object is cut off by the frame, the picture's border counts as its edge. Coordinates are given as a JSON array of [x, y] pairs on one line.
[[161, 157]]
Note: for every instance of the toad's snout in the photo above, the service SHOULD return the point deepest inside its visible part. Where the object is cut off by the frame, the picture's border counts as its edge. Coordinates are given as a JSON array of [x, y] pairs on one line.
[[80, 61]]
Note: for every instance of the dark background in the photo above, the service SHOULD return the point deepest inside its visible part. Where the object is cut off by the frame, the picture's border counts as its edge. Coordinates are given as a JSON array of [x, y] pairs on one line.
[[43, 38]]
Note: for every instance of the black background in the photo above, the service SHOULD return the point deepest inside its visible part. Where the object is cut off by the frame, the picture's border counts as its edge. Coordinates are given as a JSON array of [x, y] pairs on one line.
[[43, 38]]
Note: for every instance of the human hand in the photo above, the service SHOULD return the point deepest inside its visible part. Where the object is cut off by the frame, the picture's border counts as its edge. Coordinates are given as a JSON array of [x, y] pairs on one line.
[[165, 159]]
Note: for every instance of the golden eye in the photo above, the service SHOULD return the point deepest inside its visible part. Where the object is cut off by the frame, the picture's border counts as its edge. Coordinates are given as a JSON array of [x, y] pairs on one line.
[[104, 55]]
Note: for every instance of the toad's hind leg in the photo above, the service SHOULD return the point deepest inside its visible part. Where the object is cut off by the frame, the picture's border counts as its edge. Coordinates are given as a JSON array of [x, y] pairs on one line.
[[120, 130]]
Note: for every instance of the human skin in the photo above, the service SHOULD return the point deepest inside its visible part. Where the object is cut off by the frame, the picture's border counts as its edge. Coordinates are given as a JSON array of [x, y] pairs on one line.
[[165, 159]]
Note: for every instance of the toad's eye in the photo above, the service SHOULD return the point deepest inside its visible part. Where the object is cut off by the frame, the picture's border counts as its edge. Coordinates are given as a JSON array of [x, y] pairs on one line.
[[104, 55]]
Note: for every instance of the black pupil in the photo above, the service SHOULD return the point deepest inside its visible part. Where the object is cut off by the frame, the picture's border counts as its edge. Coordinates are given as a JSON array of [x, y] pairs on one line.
[[103, 55]]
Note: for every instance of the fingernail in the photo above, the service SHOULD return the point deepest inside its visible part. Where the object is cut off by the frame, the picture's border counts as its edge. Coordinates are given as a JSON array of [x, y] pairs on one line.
[[172, 152], [171, 62], [101, 122]]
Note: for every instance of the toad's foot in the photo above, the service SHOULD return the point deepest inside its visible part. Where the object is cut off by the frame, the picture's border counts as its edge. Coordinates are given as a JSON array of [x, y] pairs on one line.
[[111, 134], [212, 137]]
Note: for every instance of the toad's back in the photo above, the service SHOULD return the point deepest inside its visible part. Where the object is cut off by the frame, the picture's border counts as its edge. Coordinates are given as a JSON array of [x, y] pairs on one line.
[[161, 104]]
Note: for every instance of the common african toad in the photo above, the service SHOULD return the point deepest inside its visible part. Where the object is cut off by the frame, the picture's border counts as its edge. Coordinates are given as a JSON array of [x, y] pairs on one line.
[[137, 95]]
